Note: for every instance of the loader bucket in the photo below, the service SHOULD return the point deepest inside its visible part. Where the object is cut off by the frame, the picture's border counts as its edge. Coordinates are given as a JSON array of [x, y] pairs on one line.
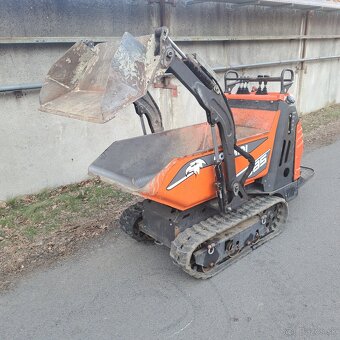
[[92, 83]]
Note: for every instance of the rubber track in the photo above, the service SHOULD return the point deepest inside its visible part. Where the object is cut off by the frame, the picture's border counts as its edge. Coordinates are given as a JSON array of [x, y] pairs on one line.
[[187, 241], [128, 219]]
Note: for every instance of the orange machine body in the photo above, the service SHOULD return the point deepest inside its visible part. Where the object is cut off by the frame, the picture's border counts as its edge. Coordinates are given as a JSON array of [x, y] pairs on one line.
[[177, 187]]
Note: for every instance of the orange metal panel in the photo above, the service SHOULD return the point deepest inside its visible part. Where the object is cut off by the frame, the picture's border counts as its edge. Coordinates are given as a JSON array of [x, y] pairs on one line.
[[271, 96], [298, 151], [200, 187]]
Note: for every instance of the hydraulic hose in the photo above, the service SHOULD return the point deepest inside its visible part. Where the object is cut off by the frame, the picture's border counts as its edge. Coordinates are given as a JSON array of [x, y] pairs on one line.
[[249, 158]]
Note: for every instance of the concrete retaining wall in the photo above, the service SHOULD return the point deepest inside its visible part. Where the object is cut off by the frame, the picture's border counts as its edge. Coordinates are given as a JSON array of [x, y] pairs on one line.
[[38, 150]]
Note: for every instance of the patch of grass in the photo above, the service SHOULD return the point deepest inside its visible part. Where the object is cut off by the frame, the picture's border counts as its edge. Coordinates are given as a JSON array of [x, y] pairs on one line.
[[32, 215], [324, 116], [30, 232]]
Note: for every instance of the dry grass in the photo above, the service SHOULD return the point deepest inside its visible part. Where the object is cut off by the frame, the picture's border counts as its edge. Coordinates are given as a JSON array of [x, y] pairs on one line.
[[325, 116], [52, 223], [321, 127], [34, 215]]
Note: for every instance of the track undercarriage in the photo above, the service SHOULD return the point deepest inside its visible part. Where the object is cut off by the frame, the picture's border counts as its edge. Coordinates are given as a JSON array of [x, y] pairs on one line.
[[212, 244]]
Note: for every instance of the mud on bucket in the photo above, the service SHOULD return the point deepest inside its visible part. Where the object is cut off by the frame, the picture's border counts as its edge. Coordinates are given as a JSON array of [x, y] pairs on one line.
[[92, 83]]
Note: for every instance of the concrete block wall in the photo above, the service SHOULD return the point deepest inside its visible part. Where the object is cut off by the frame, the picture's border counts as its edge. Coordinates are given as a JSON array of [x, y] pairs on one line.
[[38, 150]]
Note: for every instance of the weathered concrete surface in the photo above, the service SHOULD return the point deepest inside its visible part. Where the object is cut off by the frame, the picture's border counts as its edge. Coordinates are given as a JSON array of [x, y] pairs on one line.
[[38, 151], [120, 289], [75, 17], [43, 150]]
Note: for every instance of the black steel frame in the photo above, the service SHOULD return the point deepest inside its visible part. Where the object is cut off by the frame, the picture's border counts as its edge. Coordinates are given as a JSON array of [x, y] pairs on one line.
[[232, 78], [197, 79]]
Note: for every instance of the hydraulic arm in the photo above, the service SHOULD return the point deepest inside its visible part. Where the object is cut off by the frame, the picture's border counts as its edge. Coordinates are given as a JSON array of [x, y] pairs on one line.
[[205, 88], [147, 107]]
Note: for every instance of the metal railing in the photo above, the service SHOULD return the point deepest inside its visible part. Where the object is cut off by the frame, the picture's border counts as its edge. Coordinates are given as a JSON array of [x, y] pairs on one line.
[[180, 39], [35, 86]]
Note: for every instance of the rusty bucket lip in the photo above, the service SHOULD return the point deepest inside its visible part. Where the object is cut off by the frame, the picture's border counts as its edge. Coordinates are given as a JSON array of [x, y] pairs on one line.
[[90, 91]]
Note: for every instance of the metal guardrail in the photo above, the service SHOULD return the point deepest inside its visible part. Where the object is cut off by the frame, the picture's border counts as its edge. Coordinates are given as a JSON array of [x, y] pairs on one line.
[[198, 38], [20, 87], [35, 86], [275, 63]]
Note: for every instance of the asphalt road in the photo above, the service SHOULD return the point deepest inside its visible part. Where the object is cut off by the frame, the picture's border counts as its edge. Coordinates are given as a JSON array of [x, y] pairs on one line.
[[120, 289]]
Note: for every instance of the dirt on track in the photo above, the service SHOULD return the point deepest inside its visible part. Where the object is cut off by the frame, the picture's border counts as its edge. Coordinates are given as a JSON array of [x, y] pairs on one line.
[[66, 218]]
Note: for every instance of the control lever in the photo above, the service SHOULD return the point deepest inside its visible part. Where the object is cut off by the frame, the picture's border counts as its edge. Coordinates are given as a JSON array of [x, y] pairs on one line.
[[265, 91], [259, 90]]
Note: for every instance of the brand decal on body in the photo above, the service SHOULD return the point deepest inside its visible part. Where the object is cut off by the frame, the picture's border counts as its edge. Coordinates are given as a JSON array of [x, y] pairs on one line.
[[194, 167]]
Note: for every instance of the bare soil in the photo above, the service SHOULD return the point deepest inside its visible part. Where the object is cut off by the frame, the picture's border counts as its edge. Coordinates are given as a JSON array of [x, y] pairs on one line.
[[321, 127], [36, 230]]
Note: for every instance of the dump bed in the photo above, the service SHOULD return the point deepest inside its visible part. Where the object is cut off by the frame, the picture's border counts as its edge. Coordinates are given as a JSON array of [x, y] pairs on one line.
[[134, 162]]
